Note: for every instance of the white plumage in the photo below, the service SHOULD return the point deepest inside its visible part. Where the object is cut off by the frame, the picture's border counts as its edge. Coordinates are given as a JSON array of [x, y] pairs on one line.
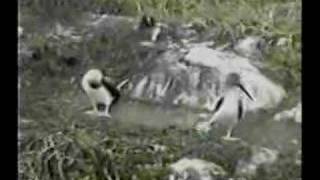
[[100, 93], [229, 109]]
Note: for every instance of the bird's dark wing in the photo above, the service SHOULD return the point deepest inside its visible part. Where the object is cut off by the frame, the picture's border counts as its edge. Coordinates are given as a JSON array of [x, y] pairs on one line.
[[114, 92], [218, 105], [240, 110], [245, 91]]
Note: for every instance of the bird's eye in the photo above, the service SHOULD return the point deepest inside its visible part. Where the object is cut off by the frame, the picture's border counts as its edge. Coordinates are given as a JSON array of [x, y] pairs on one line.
[[94, 85], [101, 106]]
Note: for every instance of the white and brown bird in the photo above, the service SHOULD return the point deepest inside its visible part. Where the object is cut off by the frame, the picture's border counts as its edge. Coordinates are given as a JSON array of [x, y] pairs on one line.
[[102, 94], [152, 28], [229, 108]]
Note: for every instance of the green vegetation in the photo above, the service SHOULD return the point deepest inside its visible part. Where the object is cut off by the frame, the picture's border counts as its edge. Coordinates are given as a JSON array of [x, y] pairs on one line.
[[61, 143], [274, 20]]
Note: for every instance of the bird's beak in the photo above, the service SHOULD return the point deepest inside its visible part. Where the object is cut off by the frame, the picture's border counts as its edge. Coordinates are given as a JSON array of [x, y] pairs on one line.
[[104, 72], [245, 91]]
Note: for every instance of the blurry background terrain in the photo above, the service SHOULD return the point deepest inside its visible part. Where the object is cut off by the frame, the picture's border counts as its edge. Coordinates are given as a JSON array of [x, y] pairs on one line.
[[60, 41]]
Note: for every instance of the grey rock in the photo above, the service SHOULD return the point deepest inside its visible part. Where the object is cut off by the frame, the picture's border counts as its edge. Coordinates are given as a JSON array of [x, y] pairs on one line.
[[260, 156], [195, 169], [294, 114], [251, 47], [194, 79]]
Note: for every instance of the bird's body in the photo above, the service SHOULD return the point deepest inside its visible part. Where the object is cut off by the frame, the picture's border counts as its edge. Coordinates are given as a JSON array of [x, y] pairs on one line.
[[226, 115], [100, 92], [229, 109], [99, 96], [153, 29]]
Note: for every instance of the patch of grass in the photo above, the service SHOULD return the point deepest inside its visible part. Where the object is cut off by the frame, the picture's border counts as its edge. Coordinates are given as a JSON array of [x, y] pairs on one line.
[[80, 153], [84, 153], [286, 164], [272, 20]]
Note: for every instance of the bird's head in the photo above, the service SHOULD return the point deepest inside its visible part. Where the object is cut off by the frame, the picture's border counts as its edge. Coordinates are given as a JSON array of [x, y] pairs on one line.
[[233, 80], [147, 22], [94, 78]]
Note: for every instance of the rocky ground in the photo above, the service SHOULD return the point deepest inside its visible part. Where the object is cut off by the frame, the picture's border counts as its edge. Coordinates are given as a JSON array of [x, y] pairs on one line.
[[151, 135]]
